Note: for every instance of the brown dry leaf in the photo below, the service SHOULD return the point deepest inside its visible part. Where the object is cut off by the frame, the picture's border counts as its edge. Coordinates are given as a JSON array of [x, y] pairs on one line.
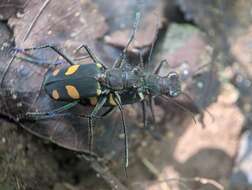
[[150, 22], [241, 48], [10, 8], [70, 23], [188, 151], [67, 24], [69, 27]]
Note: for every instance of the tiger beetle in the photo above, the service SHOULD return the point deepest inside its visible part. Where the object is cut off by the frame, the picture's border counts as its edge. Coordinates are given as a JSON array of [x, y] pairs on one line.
[[97, 85]]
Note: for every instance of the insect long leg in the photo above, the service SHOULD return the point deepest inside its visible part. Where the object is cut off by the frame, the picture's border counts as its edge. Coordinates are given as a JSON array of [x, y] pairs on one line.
[[144, 113], [42, 115], [36, 60], [160, 65], [120, 60], [108, 112], [151, 102], [102, 100], [141, 58], [54, 48], [52, 116], [6, 70], [126, 150], [153, 42], [91, 54]]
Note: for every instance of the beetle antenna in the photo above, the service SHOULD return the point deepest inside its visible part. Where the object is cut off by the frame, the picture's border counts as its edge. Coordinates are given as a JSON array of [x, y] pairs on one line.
[[199, 109], [180, 106], [198, 72]]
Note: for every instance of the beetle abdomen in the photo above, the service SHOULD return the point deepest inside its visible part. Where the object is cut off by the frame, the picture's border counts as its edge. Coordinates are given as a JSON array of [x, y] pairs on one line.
[[74, 82]]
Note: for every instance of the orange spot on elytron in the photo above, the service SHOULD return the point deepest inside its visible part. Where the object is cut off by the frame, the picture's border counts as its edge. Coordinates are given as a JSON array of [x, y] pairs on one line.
[[93, 100], [112, 101], [55, 94], [71, 70], [72, 92], [55, 72]]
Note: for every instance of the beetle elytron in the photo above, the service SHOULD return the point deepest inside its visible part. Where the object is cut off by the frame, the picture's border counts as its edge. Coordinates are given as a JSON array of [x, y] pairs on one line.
[[97, 85]]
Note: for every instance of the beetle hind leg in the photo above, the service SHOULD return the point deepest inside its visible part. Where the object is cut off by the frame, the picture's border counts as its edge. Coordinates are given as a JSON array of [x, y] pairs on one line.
[[91, 54], [49, 114], [55, 49]]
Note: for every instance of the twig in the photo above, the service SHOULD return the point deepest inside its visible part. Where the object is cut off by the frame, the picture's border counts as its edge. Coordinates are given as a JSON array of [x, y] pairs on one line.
[[181, 181], [35, 19], [104, 172]]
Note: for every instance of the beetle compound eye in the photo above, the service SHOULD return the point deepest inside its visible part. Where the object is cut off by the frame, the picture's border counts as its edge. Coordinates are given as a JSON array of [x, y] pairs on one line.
[[174, 93], [136, 71], [173, 76]]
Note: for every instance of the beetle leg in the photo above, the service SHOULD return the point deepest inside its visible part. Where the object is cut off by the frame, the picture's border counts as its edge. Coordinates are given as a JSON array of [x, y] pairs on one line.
[[6, 70], [91, 54], [144, 113], [52, 116], [52, 113], [121, 59], [54, 48], [151, 102], [160, 65], [153, 42], [141, 59], [32, 59], [95, 111], [126, 150], [108, 112]]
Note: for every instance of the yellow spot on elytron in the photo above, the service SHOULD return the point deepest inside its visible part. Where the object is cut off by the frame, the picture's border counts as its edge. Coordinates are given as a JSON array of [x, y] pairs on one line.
[[55, 94], [93, 100], [99, 65], [141, 95], [71, 70], [55, 72], [112, 100], [72, 92], [98, 91]]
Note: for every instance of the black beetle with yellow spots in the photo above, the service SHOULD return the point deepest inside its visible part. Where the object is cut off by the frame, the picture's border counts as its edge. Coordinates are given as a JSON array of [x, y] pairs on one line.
[[97, 85]]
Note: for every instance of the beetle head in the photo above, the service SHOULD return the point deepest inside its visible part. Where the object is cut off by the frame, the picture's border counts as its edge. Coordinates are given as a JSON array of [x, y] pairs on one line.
[[171, 85]]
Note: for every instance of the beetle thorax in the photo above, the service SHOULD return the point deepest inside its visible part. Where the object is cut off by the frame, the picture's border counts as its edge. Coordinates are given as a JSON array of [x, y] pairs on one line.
[[118, 79]]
